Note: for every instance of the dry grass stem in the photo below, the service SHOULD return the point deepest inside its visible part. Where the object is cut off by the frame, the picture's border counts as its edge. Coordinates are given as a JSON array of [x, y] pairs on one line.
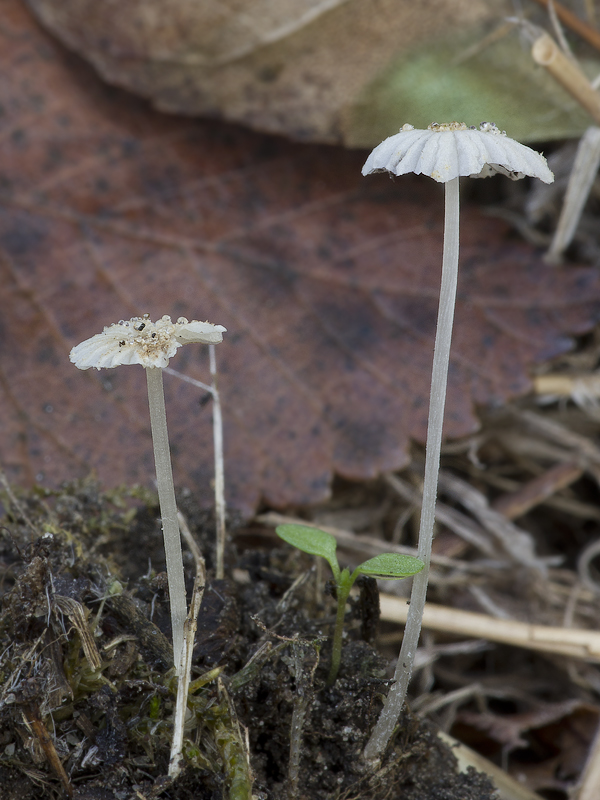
[[459, 523], [514, 504], [571, 20], [220, 508], [76, 614], [546, 52], [555, 432], [46, 741], [581, 180], [517, 543], [572, 642]]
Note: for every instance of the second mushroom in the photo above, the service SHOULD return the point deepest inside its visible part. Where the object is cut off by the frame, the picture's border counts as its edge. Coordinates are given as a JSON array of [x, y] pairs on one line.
[[152, 344], [444, 152]]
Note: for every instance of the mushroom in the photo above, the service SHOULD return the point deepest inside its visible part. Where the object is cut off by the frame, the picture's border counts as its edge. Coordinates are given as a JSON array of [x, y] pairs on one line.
[[152, 344], [444, 152]]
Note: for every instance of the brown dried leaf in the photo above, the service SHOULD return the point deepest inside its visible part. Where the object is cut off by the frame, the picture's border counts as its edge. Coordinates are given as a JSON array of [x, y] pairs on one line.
[[327, 283]]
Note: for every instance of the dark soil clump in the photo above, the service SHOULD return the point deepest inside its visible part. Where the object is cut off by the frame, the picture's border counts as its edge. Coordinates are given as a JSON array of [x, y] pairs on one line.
[[87, 694]]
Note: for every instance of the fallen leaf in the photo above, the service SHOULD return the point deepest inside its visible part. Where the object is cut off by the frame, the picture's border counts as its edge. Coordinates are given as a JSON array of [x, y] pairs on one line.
[[326, 282], [338, 71]]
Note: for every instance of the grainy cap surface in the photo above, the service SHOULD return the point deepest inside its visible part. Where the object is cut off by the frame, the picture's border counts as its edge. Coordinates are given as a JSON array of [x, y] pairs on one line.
[[140, 341]]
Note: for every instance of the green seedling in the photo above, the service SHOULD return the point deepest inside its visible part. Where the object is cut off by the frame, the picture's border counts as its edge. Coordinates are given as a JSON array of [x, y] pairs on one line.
[[387, 566]]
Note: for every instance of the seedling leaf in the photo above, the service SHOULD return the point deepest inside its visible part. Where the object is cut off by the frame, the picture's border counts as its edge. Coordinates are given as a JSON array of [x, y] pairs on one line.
[[312, 541], [391, 566]]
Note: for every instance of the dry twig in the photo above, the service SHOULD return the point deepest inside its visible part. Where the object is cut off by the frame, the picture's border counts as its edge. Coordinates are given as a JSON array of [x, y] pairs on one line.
[[573, 642]]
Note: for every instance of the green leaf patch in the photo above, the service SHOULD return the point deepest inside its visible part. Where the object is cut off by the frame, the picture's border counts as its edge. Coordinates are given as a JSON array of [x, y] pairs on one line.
[[389, 566]]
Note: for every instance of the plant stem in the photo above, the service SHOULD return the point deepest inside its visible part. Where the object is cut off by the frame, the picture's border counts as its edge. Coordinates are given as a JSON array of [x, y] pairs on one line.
[[439, 378], [219, 468], [336, 648], [168, 509]]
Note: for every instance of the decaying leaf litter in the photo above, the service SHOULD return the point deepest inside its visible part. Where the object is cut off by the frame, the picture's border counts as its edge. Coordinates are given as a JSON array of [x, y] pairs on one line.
[[116, 211], [536, 705]]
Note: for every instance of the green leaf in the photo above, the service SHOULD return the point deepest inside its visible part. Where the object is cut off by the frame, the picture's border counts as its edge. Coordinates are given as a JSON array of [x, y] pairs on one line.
[[433, 81], [312, 541], [390, 566]]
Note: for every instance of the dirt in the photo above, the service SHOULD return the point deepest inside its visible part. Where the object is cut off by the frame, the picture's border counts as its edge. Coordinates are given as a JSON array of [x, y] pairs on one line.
[[81, 574]]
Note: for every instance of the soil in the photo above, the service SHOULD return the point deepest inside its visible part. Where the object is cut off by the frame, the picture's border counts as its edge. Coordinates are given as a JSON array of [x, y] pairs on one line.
[[81, 578]]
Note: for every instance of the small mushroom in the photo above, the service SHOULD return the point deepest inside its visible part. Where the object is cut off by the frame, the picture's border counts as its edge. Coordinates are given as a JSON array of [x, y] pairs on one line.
[[444, 152], [152, 344]]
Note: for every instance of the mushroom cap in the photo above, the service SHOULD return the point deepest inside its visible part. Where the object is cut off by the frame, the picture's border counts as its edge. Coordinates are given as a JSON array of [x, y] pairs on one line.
[[447, 151], [141, 341]]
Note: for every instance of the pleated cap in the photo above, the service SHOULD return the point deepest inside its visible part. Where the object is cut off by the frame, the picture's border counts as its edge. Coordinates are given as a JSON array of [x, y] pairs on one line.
[[446, 151]]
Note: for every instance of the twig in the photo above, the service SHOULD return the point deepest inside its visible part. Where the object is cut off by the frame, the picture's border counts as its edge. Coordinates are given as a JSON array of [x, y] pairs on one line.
[[579, 387], [514, 504], [191, 543], [583, 446], [34, 719], [517, 543], [573, 642], [76, 614], [571, 20], [558, 30], [218, 454], [453, 519], [546, 53], [581, 180], [184, 668]]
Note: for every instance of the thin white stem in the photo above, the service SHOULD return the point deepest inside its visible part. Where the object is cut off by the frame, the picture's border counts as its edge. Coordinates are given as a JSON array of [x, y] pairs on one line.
[[439, 378], [219, 467], [184, 671], [168, 508]]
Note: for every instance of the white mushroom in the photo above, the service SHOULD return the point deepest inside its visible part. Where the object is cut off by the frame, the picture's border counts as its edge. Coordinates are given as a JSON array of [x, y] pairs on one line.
[[152, 344], [444, 152]]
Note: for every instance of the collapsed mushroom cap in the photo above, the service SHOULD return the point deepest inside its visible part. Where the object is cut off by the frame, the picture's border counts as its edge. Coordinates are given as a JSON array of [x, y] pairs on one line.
[[452, 149], [141, 341]]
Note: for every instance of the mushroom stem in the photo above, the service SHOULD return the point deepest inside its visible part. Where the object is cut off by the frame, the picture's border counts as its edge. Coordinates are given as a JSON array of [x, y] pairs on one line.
[[439, 378], [168, 508], [219, 467]]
